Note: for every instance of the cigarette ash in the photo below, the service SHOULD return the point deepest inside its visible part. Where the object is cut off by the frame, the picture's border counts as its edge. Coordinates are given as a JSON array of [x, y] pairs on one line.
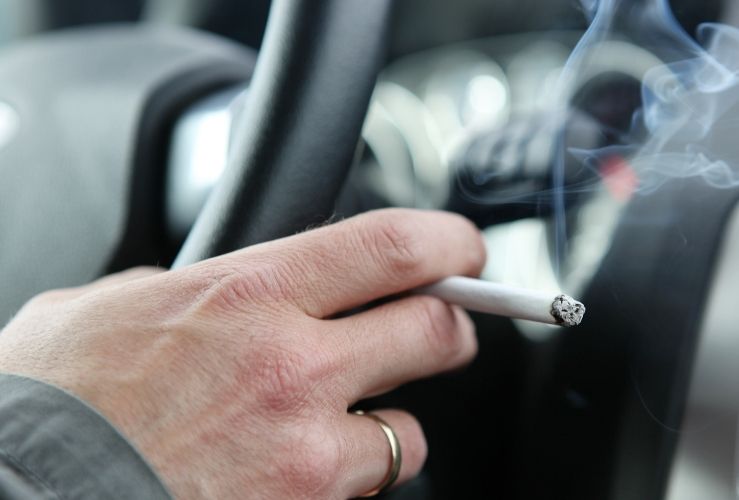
[[567, 311]]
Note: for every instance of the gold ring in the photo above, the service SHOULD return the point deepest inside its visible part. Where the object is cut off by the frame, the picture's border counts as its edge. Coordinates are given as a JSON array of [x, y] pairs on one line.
[[396, 458]]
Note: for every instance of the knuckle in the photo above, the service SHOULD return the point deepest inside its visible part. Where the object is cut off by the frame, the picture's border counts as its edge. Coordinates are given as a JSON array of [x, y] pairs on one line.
[[439, 324], [315, 463], [41, 299], [138, 272], [46, 298], [280, 382], [393, 239]]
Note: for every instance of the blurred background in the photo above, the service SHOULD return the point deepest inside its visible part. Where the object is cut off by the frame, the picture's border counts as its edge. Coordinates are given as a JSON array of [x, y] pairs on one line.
[[484, 108]]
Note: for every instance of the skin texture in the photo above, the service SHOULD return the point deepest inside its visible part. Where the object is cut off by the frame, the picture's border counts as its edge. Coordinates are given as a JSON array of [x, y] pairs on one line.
[[232, 376]]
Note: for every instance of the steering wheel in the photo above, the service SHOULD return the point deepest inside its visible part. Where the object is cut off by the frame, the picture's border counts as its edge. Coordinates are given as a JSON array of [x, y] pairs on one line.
[[84, 136], [295, 142]]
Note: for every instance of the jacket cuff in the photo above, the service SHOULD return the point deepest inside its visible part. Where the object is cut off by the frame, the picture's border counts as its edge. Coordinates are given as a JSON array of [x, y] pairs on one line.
[[64, 447]]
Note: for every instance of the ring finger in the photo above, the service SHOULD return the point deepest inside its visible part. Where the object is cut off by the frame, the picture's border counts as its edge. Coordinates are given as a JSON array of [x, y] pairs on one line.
[[370, 458]]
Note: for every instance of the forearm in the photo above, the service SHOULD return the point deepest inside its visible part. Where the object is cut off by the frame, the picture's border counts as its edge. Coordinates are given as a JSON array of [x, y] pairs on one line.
[[52, 445]]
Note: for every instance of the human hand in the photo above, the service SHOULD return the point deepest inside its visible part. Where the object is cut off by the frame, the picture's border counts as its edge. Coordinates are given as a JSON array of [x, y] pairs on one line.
[[231, 377]]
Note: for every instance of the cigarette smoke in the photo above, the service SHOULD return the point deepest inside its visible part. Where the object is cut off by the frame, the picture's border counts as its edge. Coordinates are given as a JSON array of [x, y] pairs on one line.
[[689, 113], [682, 125], [685, 127]]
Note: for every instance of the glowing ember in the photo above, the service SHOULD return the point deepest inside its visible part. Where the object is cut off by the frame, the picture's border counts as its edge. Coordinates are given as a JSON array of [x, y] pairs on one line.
[[619, 178]]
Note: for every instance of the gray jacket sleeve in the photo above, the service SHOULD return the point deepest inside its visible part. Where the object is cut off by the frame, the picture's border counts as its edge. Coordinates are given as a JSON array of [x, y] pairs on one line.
[[54, 446]]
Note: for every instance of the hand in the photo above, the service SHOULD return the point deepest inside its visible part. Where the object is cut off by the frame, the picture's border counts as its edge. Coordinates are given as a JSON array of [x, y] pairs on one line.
[[230, 376]]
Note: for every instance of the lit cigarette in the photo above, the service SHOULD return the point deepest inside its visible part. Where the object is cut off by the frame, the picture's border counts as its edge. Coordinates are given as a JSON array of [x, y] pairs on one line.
[[504, 300]]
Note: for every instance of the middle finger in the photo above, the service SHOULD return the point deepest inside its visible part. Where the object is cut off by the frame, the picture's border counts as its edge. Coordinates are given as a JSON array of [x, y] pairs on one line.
[[400, 341]]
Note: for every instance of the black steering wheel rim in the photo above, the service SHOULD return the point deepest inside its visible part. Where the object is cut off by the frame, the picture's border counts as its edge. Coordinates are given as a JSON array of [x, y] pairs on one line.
[[294, 143]]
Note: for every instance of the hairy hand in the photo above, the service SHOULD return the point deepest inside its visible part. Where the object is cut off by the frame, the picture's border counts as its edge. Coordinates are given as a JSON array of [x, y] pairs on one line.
[[231, 377]]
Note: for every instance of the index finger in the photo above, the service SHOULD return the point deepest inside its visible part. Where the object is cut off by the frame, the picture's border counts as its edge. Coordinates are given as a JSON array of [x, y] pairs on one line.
[[373, 255]]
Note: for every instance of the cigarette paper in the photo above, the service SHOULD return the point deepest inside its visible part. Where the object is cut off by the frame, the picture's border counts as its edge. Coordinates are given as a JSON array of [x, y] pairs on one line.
[[505, 300]]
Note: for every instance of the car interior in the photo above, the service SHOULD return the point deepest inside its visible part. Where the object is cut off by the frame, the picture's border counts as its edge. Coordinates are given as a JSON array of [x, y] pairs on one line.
[[593, 143]]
